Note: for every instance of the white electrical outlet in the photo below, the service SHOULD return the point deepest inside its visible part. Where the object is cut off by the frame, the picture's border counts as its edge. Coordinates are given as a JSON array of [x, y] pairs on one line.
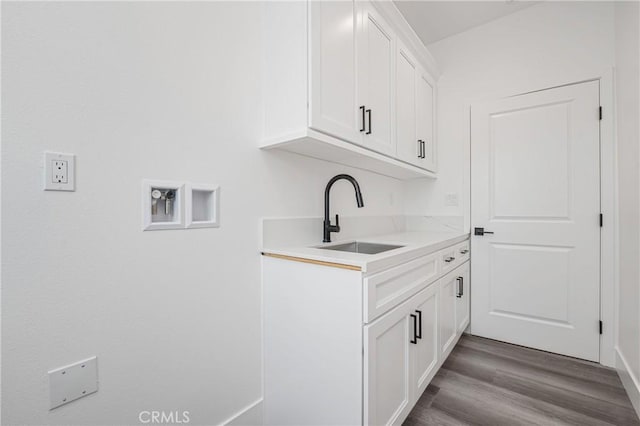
[[451, 200], [73, 381], [59, 171]]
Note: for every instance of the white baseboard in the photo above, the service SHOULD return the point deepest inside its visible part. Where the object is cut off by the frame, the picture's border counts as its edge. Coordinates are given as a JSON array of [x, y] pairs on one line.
[[629, 380], [251, 415]]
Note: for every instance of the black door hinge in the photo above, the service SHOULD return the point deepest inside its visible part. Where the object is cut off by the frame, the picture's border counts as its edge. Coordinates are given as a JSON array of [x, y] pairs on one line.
[[600, 113], [600, 327], [601, 220]]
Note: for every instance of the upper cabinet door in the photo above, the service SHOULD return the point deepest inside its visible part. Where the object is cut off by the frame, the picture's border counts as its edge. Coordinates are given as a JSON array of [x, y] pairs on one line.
[[425, 107], [376, 82], [409, 148], [333, 107]]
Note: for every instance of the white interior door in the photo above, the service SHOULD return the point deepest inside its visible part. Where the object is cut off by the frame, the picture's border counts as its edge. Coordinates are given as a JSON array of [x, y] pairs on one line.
[[536, 185]]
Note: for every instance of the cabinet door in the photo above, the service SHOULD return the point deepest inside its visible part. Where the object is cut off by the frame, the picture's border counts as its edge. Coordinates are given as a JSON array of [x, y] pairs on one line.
[[376, 81], [462, 297], [425, 353], [387, 397], [333, 93], [425, 118], [408, 146], [447, 316]]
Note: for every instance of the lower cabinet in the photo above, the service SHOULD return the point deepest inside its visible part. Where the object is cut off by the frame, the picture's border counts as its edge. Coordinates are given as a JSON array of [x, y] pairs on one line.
[[404, 348], [424, 362], [462, 297], [447, 317], [331, 360], [387, 367]]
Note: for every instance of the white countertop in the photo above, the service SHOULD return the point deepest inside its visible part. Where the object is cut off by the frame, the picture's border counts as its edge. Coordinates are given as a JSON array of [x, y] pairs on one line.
[[415, 244]]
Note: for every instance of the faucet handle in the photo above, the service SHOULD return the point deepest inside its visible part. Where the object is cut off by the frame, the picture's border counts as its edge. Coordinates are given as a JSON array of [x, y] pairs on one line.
[[336, 227]]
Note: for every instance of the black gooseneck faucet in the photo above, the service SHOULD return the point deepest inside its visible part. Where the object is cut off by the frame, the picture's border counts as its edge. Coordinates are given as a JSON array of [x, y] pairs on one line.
[[328, 227]]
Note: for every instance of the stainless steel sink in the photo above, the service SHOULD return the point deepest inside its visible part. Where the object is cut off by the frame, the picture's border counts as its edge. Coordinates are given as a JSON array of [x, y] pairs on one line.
[[360, 247]]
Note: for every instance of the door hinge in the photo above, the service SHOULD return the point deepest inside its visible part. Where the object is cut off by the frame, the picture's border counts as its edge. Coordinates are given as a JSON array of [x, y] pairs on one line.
[[600, 322], [601, 220], [600, 113]]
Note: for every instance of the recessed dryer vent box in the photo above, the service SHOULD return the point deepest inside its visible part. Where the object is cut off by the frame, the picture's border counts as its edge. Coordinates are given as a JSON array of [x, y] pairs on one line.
[[203, 206]]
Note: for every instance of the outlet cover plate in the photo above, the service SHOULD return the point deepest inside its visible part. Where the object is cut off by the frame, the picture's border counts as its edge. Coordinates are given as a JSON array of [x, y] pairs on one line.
[[59, 171], [451, 200], [73, 381]]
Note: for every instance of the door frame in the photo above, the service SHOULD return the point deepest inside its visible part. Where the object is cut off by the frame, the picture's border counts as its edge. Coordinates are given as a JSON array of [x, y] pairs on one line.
[[608, 198]]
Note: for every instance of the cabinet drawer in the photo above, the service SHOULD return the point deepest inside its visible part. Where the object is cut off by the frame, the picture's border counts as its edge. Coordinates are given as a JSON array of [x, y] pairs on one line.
[[462, 252], [449, 258], [387, 289], [454, 256]]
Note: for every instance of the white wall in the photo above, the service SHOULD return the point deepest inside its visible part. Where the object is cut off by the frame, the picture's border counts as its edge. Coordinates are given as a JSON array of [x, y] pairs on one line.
[[627, 48], [542, 46], [141, 90]]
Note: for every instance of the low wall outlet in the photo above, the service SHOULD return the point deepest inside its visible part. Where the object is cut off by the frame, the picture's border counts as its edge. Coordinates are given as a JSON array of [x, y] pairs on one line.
[[59, 172], [72, 382]]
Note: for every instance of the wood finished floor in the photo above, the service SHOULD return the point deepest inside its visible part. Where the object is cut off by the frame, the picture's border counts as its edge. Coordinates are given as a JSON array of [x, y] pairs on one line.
[[485, 382]]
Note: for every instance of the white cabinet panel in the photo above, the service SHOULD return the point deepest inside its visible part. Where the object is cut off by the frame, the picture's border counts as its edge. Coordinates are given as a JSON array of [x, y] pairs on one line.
[[415, 139], [408, 147], [332, 66], [386, 364], [425, 107], [376, 53], [387, 289], [447, 316], [425, 353], [462, 298]]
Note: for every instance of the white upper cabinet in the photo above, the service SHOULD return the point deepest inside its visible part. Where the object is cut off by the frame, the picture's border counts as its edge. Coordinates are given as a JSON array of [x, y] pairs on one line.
[[376, 77], [333, 74], [425, 111], [414, 111], [331, 86], [409, 148]]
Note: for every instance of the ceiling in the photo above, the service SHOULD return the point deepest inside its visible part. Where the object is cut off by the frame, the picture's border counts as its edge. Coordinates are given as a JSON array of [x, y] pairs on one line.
[[435, 20]]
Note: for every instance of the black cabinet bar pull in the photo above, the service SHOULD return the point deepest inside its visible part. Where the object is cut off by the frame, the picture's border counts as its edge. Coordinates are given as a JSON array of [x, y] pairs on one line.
[[363, 128], [460, 287], [424, 151], [415, 325], [450, 259], [369, 131], [419, 335]]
